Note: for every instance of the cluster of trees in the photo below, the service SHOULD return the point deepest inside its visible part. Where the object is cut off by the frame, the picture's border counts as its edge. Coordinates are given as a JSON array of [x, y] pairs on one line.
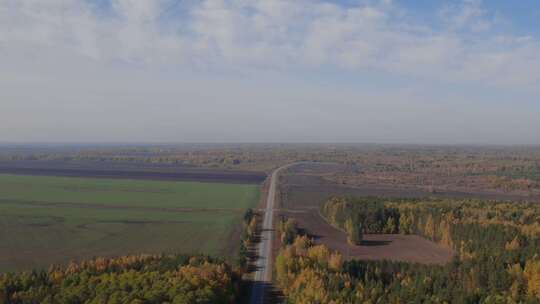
[[247, 237], [359, 216], [287, 230], [445, 221], [129, 279], [311, 274], [496, 247]]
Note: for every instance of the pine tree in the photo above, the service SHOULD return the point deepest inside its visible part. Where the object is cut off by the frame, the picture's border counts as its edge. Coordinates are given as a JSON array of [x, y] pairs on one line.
[[390, 226], [430, 228], [354, 233]]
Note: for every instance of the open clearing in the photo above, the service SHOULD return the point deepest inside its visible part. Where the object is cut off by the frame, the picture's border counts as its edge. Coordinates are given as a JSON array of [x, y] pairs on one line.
[[303, 191], [46, 220], [409, 248]]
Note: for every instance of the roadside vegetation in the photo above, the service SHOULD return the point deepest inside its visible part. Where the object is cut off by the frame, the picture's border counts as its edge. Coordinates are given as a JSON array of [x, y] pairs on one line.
[[496, 261], [248, 238]]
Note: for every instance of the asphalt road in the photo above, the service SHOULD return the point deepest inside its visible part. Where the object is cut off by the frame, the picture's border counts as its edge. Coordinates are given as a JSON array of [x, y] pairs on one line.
[[263, 274]]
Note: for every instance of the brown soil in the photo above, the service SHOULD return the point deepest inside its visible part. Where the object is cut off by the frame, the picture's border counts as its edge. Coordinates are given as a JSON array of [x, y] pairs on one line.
[[129, 171], [410, 248], [304, 189]]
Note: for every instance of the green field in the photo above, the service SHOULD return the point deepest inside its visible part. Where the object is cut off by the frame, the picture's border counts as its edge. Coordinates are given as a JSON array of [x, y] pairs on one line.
[[45, 220]]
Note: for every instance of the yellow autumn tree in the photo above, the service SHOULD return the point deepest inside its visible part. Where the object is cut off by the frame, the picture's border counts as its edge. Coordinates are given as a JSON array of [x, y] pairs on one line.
[[531, 273], [335, 261], [513, 245], [517, 288], [446, 234], [309, 287], [429, 230], [319, 254]]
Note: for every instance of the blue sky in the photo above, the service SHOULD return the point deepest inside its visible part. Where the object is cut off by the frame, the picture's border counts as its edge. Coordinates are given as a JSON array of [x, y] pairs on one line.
[[463, 71], [522, 15]]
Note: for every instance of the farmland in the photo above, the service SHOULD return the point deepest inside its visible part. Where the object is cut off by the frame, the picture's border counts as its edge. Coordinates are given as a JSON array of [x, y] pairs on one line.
[[46, 220]]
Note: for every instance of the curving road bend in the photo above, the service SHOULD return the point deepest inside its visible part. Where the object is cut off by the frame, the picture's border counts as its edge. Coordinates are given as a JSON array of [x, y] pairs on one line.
[[263, 264]]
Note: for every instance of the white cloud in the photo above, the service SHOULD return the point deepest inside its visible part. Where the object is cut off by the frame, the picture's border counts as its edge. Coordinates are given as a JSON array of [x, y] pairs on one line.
[[466, 15], [273, 34]]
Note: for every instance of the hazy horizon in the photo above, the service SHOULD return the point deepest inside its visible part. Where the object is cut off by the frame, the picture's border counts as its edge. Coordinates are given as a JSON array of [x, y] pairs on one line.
[[270, 71], [120, 144]]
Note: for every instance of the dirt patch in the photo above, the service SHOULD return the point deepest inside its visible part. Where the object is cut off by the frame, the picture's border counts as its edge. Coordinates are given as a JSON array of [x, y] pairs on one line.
[[409, 248], [303, 189]]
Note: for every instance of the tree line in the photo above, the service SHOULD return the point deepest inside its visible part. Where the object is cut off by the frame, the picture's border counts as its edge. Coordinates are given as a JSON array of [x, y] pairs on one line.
[[247, 237], [129, 279]]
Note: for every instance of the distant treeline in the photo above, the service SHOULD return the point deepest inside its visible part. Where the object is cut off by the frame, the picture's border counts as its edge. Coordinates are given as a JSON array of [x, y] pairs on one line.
[[403, 163], [497, 258]]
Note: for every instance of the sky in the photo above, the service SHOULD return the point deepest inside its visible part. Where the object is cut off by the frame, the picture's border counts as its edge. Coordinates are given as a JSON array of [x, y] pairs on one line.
[[377, 71]]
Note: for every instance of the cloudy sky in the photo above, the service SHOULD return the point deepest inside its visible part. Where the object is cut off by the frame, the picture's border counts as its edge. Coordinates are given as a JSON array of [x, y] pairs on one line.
[[411, 71]]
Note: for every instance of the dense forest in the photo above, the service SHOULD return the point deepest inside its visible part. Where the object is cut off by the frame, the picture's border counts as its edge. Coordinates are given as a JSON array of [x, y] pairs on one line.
[[129, 279], [497, 258]]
